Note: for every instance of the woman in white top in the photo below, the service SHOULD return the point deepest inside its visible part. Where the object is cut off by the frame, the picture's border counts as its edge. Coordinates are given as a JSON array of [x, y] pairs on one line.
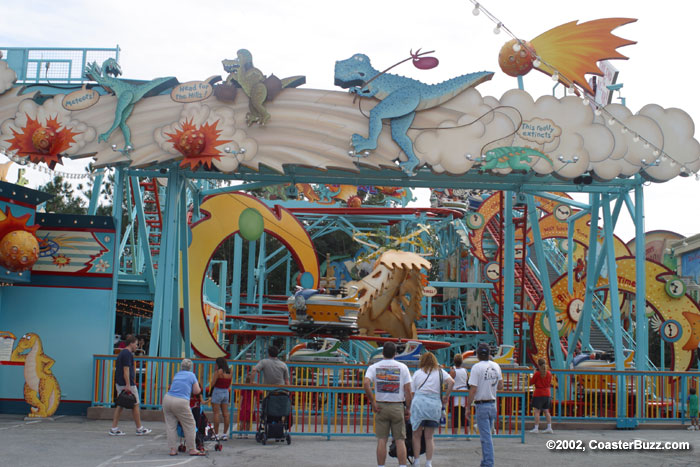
[[427, 405], [459, 374]]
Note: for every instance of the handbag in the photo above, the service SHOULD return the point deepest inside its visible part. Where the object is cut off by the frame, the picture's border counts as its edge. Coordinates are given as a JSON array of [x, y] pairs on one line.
[[126, 400]]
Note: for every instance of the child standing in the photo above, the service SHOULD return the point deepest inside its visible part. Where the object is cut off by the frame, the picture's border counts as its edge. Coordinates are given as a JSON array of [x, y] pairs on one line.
[[246, 410], [693, 410], [542, 397]]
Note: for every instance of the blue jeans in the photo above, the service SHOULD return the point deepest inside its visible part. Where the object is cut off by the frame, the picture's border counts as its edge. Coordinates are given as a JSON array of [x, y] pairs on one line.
[[485, 417]]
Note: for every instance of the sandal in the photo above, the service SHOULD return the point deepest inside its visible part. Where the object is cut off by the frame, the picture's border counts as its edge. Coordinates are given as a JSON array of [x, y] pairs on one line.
[[198, 453], [173, 453]]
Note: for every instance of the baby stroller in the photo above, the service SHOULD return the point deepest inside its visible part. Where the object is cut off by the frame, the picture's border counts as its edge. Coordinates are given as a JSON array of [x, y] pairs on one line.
[[274, 420], [409, 444], [204, 431]]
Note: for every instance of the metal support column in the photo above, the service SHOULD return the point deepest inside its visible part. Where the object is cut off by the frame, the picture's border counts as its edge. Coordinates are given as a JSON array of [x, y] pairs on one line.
[[183, 234], [165, 303], [544, 279], [642, 337], [117, 198], [236, 279], [508, 252]]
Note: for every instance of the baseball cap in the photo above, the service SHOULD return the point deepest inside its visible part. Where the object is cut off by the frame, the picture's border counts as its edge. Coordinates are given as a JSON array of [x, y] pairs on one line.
[[483, 349]]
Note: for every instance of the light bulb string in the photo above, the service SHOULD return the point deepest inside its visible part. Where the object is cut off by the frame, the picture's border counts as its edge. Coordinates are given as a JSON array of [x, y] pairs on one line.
[[658, 152], [26, 163]]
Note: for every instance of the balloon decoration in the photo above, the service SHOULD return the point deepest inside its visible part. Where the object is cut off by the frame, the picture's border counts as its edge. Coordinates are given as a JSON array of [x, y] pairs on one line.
[[251, 224]]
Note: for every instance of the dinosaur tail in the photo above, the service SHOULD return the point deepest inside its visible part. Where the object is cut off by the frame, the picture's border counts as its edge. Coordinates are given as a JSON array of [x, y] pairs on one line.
[[440, 93]]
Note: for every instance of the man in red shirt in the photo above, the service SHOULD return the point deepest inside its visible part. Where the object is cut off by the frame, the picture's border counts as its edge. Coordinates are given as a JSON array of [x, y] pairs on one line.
[[542, 397]]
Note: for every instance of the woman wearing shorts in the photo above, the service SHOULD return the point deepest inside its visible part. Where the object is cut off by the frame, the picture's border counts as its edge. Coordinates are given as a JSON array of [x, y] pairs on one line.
[[542, 397], [220, 394], [427, 405]]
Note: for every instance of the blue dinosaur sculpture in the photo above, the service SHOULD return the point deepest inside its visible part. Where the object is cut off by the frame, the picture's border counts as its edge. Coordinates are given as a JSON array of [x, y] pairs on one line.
[[128, 94], [400, 98]]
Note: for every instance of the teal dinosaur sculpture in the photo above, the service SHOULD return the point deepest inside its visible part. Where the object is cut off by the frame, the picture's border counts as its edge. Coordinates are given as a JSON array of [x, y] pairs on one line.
[[511, 157], [128, 94], [400, 98]]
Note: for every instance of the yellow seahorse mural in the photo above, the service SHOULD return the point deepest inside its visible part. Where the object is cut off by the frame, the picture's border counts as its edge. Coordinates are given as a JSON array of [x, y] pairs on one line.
[[41, 389]]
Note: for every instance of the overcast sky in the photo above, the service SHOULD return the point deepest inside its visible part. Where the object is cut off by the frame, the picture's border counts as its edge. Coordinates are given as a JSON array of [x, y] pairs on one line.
[[188, 40]]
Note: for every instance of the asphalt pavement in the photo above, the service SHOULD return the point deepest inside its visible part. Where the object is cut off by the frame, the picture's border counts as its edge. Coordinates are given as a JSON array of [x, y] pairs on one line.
[[77, 441]]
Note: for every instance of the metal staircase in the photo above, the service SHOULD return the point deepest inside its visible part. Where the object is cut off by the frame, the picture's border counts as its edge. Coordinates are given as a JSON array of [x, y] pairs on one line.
[[154, 217]]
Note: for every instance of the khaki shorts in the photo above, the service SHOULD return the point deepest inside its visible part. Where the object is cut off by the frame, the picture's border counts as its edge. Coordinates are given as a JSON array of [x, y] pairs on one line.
[[390, 419]]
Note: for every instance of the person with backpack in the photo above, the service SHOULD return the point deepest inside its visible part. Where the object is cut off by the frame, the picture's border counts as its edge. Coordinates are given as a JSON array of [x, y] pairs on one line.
[[428, 404]]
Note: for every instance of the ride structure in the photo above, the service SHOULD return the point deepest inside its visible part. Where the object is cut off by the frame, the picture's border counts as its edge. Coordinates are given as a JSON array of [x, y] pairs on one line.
[[527, 259]]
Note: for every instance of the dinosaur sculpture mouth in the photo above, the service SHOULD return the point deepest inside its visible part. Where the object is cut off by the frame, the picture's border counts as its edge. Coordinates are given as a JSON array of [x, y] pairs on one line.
[[348, 83]]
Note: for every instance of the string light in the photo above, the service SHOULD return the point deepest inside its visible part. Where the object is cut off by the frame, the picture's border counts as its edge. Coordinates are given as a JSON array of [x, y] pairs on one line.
[[497, 29], [556, 76], [25, 162]]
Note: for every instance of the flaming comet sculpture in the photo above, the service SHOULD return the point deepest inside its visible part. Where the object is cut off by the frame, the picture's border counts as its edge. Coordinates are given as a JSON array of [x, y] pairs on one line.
[[571, 50]]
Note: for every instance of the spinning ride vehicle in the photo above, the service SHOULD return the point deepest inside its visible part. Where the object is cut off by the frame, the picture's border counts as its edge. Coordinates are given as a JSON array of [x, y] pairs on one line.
[[324, 312], [600, 360], [505, 356], [327, 350], [407, 353]]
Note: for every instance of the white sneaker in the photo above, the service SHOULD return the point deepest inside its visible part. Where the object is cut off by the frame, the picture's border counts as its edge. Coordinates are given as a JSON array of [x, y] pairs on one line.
[[116, 432], [535, 430], [690, 428], [143, 431], [548, 430]]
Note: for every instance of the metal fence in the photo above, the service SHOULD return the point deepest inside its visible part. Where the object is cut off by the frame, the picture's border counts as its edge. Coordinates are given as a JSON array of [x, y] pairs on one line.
[[53, 65], [328, 399]]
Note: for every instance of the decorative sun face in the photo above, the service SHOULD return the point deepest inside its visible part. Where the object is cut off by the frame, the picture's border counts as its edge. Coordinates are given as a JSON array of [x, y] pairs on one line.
[[19, 247], [61, 260], [197, 143], [42, 143]]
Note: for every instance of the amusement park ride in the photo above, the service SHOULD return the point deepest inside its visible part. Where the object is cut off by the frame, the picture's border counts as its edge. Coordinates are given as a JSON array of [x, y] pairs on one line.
[[503, 255]]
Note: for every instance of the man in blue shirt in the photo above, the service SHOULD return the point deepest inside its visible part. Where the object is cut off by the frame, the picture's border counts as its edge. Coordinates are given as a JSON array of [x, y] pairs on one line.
[[125, 380]]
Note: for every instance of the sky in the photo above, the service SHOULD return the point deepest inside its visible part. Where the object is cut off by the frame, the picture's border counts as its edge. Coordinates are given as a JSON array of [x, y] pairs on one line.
[[188, 40]]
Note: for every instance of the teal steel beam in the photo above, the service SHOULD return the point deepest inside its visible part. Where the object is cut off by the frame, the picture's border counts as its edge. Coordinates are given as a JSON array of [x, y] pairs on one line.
[[117, 198], [461, 285], [508, 274], [250, 282], [165, 298], [544, 279], [613, 296], [183, 234], [95, 195], [584, 322], [149, 271], [236, 279], [261, 273], [642, 335]]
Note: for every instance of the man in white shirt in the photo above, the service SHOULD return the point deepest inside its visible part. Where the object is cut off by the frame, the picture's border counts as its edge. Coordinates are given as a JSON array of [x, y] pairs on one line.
[[392, 386], [485, 380]]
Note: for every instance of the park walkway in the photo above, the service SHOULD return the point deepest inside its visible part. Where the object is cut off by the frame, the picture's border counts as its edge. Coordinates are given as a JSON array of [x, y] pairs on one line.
[[77, 441]]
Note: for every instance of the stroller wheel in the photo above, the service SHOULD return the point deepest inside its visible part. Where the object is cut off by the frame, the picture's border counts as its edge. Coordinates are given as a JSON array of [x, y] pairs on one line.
[[258, 436], [263, 439], [218, 447], [289, 440]]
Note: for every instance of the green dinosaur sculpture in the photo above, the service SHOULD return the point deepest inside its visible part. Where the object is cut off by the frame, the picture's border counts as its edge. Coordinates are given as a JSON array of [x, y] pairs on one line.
[[258, 88], [511, 157], [128, 94]]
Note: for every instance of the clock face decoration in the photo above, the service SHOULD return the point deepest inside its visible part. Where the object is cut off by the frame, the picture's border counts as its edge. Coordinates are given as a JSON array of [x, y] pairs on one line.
[[671, 330], [575, 309], [675, 287], [562, 212], [492, 271]]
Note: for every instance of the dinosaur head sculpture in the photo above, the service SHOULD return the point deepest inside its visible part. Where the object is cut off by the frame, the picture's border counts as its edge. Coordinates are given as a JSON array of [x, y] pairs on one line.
[[111, 67], [355, 71], [26, 342]]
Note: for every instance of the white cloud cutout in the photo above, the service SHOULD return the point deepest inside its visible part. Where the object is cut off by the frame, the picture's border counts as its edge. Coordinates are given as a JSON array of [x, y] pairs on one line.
[[7, 76]]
